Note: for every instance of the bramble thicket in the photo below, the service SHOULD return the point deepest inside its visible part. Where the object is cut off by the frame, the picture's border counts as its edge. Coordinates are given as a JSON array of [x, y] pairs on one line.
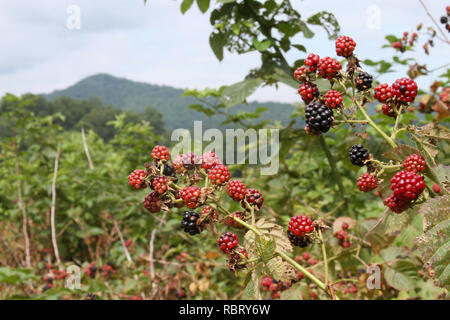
[[362, 192]]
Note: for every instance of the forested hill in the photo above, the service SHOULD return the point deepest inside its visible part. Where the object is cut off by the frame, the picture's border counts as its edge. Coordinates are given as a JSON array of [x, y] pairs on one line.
[[130, 95]]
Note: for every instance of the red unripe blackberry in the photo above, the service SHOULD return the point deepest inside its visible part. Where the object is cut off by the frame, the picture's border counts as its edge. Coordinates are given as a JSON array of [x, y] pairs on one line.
[[328, 68], [345, 46], [345, 244], [191, 160], [312, 61], [178, 164], [308, 91], [300, 225], [363, 81], [160, 153], [232, 223], [190, 196], [382, 92], [210, 160], [254, 198], [189, 222], [341, 235], [298, 241], [301, 73], [395, 204], [267, 281], [219, 174], [437, 189], [236, 257], [136, 179], [300, 275], [306, 255], [152, 202], [414, 163], [227, 241], [318, 116], [407, 185], [405, 89], [367, 182], [159, 184], [345, 226], [273, 287], [332, 99], [236, 190], [206, 210], [397, 44], [358, 155], [388, 110]]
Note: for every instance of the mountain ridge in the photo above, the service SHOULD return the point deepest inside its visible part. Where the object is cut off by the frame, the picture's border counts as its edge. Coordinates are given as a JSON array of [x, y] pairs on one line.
[[130, 95]]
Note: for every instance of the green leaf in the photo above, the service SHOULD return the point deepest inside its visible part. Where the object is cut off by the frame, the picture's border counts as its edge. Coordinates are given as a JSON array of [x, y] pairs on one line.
[[238, 92], [203, 5], [261, 46], [186, 5], [328, 21], [402, 275], [391, 38], [299, 47], [434, 243], [265, 248], [200, 108], [217, 41]]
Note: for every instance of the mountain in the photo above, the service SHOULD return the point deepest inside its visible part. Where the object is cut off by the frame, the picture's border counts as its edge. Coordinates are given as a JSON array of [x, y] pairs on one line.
[[130, 95]]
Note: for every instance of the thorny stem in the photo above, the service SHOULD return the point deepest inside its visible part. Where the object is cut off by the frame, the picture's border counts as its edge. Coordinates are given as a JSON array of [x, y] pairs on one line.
[[373, 125], [324, 254]]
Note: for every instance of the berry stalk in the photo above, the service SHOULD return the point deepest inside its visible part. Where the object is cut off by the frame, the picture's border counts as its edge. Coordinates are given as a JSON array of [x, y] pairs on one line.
[[373, 125]]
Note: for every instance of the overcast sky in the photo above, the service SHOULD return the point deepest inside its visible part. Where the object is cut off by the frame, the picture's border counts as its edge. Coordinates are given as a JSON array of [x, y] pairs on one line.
[[157, 44]]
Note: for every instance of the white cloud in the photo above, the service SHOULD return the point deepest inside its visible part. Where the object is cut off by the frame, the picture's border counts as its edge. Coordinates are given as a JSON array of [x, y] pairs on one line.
[[157, 44]]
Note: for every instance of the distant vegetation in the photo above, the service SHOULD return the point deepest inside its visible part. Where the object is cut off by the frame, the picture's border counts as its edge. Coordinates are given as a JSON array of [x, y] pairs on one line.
[[134, 96]]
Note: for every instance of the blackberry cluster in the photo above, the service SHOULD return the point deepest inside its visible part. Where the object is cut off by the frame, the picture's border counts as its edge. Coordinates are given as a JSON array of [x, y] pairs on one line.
[[152, 202], [405, 89], [219, 174], [358, 154], [367, 182], [308, 91], [414, 163], [312, 61], [190, 196], [301, 73], [210, 160], [407, 185], [363, 81], [345, 46], [236, 190], [382, 92], [189, 222], [232, 223], [254, 198], [332, 99], [136, 179], [328, 68], [395, 204], [159, 184], [160, 153], [318, 116], [388, 110], [301, 242], [228, 241]]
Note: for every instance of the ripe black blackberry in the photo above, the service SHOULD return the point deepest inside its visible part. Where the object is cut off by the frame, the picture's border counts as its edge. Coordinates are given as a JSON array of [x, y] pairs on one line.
[[318, 116], [189, 222], [301, 242], [358, 154], [363, 81]]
